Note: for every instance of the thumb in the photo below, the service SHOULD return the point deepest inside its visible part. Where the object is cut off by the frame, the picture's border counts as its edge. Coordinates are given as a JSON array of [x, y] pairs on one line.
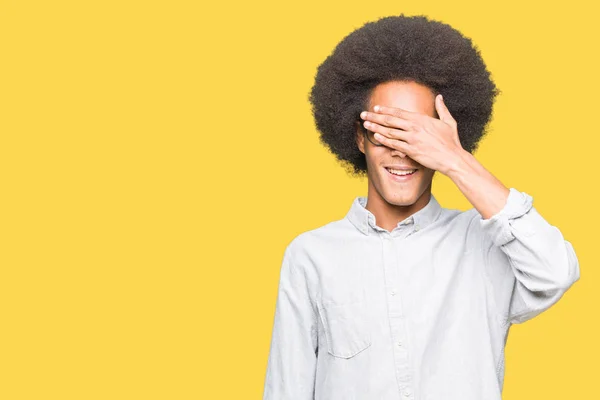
[[443, 111], [446, 117]]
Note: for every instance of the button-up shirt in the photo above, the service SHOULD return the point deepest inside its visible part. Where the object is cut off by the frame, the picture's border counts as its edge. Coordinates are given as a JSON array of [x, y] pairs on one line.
[[418, 313]]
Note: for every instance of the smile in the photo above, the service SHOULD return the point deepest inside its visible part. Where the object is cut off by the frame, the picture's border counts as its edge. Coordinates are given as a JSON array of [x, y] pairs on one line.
[[401, 176]]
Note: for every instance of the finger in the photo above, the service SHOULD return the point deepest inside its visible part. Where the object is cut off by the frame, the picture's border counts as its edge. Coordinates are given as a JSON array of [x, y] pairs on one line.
[[397, 112], [387, 120], [388, 132], [443, 111], [393, 143]]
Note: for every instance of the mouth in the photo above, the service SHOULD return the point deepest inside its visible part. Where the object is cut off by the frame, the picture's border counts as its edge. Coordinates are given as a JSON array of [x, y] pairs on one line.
[[401, 175]]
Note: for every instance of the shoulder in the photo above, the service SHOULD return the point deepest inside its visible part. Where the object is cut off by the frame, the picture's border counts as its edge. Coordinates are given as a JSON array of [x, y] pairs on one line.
[[458, 218], [326, 235]]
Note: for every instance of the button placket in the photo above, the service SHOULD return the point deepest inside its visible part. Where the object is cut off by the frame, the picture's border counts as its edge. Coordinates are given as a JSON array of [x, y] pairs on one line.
[[396, 317]]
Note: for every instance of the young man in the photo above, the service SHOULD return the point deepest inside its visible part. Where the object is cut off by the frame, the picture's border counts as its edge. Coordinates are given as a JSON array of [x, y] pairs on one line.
[[402, 298]]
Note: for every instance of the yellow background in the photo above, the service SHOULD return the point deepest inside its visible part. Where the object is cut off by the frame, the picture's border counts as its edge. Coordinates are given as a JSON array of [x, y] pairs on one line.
[[158, 156]]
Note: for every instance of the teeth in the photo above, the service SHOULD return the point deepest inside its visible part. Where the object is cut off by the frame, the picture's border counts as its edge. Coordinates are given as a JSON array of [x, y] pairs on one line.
[[401, 172]]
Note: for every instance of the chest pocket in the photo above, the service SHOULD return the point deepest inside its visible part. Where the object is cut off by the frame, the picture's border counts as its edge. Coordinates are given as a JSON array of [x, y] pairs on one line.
[[346, 328]]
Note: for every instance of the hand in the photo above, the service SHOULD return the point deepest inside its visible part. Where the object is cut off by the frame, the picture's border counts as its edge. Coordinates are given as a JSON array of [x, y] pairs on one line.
[[431, 142]]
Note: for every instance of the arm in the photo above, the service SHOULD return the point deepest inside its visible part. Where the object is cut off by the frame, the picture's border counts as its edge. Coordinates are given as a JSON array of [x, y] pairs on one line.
[[528, 261], [519, 241], [292, 359]]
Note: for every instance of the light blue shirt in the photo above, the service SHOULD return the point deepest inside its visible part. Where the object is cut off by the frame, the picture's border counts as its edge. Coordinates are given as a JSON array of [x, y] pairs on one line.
[[418, 313]]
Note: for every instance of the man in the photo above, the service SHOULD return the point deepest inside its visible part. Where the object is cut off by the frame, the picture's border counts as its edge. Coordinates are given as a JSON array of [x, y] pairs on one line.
[[402, 298]]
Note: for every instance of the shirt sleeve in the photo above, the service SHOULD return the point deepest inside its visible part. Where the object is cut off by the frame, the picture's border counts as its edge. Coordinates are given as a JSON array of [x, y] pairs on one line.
[[291, 366], [528, 261]]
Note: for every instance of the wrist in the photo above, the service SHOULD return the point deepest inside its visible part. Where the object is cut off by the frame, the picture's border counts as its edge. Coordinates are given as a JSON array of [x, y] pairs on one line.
[[460, 165]]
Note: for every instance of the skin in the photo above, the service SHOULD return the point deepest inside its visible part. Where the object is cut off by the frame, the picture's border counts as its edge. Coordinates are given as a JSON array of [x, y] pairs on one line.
[[417, 130], [391, 201]]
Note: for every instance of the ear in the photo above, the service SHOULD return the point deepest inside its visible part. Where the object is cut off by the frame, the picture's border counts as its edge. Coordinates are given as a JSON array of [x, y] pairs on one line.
[[360, 138]]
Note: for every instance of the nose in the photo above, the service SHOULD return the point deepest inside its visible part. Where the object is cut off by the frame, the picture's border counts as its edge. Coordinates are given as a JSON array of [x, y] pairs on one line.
[[398, 152]]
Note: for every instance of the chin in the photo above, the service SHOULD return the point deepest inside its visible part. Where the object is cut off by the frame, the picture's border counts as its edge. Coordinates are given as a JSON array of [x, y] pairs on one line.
[[398, 195], [402, 199]]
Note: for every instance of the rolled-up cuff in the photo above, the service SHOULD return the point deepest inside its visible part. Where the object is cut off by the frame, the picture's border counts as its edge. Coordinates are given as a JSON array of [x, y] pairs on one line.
[[498, 226]]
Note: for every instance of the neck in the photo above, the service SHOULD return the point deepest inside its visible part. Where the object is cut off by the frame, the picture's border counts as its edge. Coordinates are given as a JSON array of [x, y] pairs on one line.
[[388, 215]]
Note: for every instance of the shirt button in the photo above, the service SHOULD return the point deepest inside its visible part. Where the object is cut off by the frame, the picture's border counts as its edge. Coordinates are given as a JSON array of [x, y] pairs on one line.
[[417, 227], [399, 343], [393, 292]]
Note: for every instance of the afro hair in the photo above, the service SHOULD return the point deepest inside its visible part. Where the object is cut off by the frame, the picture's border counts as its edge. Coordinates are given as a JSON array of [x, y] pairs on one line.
[[402, 48]]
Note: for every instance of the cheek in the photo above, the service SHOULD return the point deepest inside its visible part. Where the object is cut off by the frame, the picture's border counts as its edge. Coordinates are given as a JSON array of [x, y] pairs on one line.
[[373, 159], [427, 174]]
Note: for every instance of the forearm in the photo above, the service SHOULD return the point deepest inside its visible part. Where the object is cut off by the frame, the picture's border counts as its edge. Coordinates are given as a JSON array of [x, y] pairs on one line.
[[483, 190], [515, 238]]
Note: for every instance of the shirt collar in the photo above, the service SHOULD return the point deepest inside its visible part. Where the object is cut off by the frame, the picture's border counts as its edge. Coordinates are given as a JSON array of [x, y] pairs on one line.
[[364, 219]]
